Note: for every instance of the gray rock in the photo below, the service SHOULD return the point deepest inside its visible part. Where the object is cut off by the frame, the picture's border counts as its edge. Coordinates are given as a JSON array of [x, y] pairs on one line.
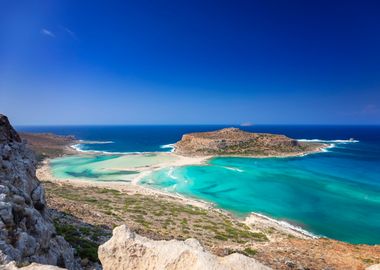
[[27, 234]]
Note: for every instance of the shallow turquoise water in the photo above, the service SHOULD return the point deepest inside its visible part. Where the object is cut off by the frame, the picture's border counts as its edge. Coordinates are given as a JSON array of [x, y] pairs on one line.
[[120, 168], [87, 167], [335, 194]]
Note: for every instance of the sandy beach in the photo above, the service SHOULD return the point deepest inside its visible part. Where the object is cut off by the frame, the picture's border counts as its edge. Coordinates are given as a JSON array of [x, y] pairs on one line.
[[44, 172]]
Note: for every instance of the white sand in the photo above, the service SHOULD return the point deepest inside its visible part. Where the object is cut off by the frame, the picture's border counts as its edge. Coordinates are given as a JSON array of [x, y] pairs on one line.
[[44, 173]]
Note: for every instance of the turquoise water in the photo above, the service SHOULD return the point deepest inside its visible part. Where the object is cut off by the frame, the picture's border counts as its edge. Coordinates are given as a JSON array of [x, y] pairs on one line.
[[87, 167], [335, 194], [119, 168]]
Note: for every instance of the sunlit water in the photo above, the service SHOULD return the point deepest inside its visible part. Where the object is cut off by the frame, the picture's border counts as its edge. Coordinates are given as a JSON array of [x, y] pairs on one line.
[[328, 194], [334, 194]]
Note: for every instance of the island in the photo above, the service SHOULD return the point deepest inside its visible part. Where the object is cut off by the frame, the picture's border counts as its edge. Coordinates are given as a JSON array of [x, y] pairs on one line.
[[236, 142]]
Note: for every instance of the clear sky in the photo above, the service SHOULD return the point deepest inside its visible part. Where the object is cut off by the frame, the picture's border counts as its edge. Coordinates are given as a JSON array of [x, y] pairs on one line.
[[190, 62]]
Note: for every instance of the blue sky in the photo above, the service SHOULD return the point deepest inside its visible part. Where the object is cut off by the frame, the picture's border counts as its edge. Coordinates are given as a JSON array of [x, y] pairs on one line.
[[190, 62]]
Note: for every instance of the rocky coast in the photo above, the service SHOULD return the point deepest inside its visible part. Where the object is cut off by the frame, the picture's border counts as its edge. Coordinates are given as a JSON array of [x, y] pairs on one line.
[[236, 142], [74, 218]]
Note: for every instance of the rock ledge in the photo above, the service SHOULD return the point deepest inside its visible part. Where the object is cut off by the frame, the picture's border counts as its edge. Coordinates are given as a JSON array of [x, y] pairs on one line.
[[127, 250]]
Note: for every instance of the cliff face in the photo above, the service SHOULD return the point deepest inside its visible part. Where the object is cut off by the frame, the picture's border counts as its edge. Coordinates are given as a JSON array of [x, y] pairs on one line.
[[26, 231], [127, 250], [233, 141]]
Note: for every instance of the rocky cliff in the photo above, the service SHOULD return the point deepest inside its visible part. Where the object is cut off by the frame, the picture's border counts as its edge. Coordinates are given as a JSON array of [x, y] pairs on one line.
[[127, 250], [26, 231], [233, 141]]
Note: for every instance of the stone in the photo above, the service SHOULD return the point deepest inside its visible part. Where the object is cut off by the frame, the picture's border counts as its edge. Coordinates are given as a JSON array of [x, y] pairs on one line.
[[373, 267], [32, 266], [128, 250], [27, 234]]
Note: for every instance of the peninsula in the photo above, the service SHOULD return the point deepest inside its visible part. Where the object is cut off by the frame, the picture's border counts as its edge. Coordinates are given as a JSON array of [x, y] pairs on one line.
[[236, 142], [75, 219]]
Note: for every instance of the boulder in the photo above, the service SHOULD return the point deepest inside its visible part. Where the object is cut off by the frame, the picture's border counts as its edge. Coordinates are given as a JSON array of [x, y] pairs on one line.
[[127, 250]]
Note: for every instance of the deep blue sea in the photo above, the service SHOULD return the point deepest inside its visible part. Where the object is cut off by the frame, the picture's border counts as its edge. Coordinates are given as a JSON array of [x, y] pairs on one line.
[[334, 194]]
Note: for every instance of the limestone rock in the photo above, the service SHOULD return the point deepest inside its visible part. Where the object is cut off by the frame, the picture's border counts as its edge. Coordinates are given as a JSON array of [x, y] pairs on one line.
[[33, 266], [127, 250], [373, 267], [26, 232]]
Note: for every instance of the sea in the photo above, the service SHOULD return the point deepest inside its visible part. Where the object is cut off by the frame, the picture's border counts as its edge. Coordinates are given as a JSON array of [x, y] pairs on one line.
[[335, 193]]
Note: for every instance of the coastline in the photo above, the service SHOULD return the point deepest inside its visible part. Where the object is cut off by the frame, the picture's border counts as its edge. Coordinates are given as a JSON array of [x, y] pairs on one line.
[[253, 219], [322, 148], [44, 172], [285, 241]]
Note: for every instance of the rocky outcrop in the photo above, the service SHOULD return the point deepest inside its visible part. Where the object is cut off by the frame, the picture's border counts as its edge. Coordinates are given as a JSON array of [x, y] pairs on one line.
[[26, 231], [127, 250], [48, 145], [233, 141], [32, 266]]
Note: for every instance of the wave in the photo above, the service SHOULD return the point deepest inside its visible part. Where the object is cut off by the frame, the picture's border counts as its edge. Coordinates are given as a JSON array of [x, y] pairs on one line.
[[233, 169], [326, 149], [287, 225], [78, 147], [95, 142], [331, 143], [328, 141], [170, 145], [170, 173]]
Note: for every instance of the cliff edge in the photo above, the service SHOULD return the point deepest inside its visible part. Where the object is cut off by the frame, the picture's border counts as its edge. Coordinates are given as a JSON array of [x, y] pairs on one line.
[[236, 142], [26, 232]]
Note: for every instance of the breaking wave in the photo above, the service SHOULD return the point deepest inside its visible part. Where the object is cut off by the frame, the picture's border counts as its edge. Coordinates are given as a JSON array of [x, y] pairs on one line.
[[287, 225], [328, 141], [168, 146]]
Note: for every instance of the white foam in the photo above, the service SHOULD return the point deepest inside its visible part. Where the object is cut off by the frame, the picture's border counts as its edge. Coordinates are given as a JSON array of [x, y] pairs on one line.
[[170, 145], [331, 143], [285, 224], [328, 141], [170, 173], [233, 169], [78, 147], [95, 142]]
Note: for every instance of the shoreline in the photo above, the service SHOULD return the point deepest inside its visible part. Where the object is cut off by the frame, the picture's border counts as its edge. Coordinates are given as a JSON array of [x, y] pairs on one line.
[[134, 186], [44, 173], [321, 149]]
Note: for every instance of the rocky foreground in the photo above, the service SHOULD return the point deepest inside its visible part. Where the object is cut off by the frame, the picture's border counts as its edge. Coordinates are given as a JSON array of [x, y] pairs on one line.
[[26, 232], [29, 239], [127, 250], [83, 217], [236, 142]]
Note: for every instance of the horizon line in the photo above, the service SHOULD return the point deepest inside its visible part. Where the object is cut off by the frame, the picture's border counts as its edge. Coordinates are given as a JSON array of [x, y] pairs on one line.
[[177, 124]]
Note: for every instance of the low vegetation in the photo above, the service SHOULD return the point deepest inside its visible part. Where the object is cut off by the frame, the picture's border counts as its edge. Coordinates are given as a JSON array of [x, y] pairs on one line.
[[93, 212], [84, 241], [153, 216]]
